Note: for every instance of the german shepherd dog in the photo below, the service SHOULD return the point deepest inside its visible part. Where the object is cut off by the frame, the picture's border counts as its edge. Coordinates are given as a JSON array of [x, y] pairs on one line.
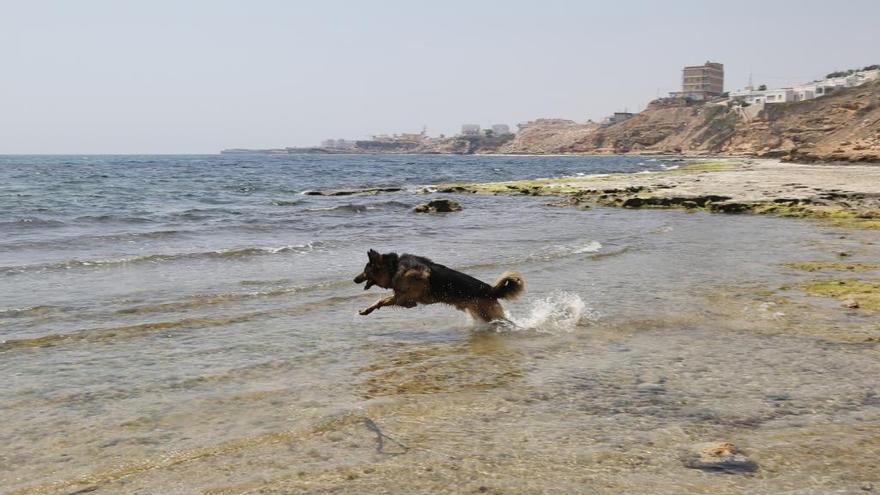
[[417, 280]]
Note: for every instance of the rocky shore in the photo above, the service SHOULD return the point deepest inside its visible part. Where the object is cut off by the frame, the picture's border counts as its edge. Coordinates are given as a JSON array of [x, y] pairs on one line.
[[842, 196], [846, 195]]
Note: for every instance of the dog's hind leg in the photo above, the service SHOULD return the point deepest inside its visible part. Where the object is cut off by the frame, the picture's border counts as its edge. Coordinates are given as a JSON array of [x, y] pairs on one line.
[[385, 301], [488, 310]]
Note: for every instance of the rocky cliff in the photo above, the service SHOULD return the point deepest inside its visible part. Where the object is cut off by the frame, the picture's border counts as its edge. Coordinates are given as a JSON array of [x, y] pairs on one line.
[[842, 126]]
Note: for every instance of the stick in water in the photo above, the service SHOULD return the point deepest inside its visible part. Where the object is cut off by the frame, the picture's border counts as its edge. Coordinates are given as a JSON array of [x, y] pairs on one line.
[[380, 437]]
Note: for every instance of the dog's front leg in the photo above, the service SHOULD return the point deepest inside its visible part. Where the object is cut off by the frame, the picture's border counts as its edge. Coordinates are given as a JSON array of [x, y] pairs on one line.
[[385, 301]]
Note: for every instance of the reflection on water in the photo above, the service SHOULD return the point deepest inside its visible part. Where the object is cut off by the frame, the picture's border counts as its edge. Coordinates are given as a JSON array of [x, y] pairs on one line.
[[641, 333]]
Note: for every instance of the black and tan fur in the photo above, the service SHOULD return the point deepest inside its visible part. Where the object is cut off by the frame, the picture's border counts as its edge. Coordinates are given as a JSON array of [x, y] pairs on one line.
[[417, 280]]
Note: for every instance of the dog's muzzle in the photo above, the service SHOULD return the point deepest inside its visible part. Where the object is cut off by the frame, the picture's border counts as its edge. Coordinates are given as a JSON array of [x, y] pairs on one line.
[[361, 278]]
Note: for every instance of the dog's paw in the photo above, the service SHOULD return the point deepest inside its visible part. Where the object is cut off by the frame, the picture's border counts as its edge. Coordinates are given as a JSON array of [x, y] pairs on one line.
[[365, 312]]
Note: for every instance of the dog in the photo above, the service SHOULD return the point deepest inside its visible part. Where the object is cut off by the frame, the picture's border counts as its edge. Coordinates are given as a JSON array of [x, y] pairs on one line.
[[417, 280]]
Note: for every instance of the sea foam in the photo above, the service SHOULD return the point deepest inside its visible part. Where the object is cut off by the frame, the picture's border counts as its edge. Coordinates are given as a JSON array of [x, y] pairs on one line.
[[558, 312]]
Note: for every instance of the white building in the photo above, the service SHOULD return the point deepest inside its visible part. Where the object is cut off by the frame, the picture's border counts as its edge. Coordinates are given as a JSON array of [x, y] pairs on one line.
[[500, 129], [338, 144], [470, 129], [804, 92]]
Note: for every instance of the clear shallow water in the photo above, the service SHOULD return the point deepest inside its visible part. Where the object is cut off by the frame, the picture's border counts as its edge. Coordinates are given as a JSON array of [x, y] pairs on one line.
[[183, 324]]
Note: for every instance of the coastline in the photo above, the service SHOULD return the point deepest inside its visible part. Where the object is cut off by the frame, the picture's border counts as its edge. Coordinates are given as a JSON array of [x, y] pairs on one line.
[[839, 196], [845, 195]]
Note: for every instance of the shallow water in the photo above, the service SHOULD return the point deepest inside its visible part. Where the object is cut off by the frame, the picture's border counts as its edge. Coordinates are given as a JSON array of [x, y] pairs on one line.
[[189, 325]]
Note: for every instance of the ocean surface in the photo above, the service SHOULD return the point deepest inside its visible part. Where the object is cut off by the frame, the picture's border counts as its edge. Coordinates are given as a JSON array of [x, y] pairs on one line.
[[188, 324]]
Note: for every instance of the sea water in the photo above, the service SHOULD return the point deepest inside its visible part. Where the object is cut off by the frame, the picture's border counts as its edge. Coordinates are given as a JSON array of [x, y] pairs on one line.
[[188, 324]]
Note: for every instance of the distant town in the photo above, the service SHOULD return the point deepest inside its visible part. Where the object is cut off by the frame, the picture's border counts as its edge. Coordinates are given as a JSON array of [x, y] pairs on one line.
[[700, 84]]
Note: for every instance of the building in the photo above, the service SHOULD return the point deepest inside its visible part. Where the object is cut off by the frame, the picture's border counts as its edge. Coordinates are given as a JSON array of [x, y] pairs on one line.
[[700, 82], [617, 117], [337, 144], [500, 129], [803, 92], [470, 129]]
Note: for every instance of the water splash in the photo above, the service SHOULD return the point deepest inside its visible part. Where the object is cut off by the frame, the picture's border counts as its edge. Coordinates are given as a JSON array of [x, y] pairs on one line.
[[559, 312]]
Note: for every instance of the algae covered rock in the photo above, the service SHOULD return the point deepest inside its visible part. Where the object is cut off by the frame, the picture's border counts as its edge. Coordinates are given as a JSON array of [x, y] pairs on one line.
[[438, 206]]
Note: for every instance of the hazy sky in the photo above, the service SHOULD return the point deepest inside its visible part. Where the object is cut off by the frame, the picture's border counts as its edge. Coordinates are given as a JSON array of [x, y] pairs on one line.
[[196, 76]]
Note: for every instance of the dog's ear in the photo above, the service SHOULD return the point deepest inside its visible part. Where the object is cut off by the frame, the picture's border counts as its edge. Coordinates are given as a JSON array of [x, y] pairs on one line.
[[374, 256]]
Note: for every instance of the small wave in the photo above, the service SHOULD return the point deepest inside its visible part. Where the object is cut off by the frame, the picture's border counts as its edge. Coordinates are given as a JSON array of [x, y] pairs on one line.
[[281, 202], [561, 251], [137, 330], [203, 213], [203, 300], [350, 192], [360, 208], [609, 254], [29, 311], [346, 207], [67, 241], [162, 258], [559, 312], [109, 218], [31, 223]]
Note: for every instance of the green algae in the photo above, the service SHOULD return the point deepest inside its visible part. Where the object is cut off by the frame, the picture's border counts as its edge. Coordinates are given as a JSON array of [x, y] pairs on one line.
[[865, 294], [711, 166], [815, 266], [836, 215], [588, 188]]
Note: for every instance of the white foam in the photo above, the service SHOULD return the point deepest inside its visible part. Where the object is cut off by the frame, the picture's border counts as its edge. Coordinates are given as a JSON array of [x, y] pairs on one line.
[[559, 312], [590, 247]]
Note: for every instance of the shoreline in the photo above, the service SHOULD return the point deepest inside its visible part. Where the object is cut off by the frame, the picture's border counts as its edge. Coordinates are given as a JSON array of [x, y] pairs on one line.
[[845, 195]]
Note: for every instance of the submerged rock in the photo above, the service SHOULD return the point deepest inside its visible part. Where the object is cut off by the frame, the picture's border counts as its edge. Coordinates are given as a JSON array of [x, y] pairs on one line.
[[369, 190], [718, 456], [438, 206]]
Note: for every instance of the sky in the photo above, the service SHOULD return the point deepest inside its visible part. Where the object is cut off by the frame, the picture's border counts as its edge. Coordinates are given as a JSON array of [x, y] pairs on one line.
[[198, 76]]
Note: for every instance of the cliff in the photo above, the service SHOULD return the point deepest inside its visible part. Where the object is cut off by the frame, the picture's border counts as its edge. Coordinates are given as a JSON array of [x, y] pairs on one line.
[[842, 126]]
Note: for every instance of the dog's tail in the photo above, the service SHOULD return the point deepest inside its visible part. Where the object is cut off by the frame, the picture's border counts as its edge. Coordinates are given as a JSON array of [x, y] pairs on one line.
[[509, 286]]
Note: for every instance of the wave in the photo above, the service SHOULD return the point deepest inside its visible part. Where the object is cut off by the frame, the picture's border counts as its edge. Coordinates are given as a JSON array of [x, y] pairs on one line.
[[164, 258], [202, 300], [281, 202], [360, 208], [350, 192], [346, 207], [67, 241], [29, 311], [31, 223], [564, 250], [110, 218], [132, 331]]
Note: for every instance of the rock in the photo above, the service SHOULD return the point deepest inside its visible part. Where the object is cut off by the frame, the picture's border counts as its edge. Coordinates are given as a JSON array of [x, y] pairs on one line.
[[369, 190], [453, 189], [718, 456], [633, 202], [729, 207], [850, 303], [438, 206], [575, 200]]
